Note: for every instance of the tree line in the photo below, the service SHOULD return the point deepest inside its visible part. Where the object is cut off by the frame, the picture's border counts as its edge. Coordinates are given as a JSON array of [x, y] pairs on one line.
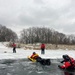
[[45, 35], [36, 35], [7, 34]]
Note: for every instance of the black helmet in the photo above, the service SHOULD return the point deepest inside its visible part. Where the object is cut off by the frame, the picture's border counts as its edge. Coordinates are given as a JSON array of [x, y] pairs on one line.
[[66, 57], [34, 53]]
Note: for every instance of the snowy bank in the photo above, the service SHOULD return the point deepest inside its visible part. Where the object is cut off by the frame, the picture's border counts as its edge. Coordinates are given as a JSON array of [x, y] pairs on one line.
[[7, 53]]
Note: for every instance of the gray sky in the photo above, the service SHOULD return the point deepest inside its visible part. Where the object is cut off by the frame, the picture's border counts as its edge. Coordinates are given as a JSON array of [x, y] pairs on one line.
[[56, 14]]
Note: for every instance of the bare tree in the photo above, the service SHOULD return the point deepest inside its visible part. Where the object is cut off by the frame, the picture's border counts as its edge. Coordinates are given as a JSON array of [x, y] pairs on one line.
[[7, 34], [44, 35]]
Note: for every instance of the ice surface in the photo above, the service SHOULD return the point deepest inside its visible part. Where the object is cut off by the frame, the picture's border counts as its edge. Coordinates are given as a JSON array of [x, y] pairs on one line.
[[7, 53]]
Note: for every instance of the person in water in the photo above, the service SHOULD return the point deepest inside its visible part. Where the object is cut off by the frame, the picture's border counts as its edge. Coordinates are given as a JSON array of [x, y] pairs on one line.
[[34, 55], [68, 62], [40, 60]]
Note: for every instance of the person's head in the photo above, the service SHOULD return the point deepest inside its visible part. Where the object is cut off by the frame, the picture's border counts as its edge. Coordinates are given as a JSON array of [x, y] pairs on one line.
[[66, 57], [34, 53]]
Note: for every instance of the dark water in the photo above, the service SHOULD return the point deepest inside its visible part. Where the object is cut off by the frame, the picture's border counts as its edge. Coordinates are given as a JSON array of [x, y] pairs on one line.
[[26, 67]]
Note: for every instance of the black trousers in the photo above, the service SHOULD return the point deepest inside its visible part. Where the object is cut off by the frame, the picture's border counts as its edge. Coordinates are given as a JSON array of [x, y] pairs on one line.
[[42, 51], [14, 49], [43, 61]]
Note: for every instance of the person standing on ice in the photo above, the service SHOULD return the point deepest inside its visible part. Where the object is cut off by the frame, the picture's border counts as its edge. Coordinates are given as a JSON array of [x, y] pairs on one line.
[[14, 47], [42, 48]]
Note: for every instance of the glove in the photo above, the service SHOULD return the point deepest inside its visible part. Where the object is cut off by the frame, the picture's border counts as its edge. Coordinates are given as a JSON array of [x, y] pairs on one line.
[[59, 66], [61, 62]]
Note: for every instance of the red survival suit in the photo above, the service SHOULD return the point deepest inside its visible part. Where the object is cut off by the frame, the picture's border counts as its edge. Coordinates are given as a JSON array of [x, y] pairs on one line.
[[69, 62], [43, 46]]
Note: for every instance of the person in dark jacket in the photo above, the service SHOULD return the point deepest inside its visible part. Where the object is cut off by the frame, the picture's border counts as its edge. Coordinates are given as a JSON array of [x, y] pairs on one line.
[[68, 63], [42, 48], [14, 47], [40, 60]]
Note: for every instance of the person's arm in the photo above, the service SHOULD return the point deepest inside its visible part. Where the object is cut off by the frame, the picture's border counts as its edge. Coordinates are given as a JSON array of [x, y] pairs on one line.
[[35, 56], [62, 61], [31, 56]]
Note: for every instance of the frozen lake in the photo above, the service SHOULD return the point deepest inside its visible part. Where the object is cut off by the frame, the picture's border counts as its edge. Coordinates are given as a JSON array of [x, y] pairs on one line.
[[26, 67]]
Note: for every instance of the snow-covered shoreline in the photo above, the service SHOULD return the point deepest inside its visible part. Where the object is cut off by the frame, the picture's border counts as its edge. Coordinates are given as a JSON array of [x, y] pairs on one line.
[[21, 53], [7, 53]]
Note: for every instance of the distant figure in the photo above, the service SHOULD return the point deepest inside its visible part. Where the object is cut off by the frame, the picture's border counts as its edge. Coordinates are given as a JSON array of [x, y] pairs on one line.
[[14, 47], [42, 48]]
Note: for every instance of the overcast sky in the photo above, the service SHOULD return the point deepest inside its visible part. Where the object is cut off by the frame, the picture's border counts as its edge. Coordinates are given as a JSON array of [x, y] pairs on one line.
[[56, 14]]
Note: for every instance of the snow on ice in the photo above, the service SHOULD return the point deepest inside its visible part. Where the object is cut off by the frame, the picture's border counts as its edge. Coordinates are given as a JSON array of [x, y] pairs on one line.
[[7, 53]]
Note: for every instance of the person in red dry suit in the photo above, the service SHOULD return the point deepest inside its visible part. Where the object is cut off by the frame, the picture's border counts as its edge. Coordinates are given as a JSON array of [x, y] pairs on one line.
[[42, 48], [14, 47], [68, 62]]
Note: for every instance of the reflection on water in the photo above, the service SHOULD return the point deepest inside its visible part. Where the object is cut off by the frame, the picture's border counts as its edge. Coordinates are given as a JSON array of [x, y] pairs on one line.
[[68, 73], [26, 67]]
